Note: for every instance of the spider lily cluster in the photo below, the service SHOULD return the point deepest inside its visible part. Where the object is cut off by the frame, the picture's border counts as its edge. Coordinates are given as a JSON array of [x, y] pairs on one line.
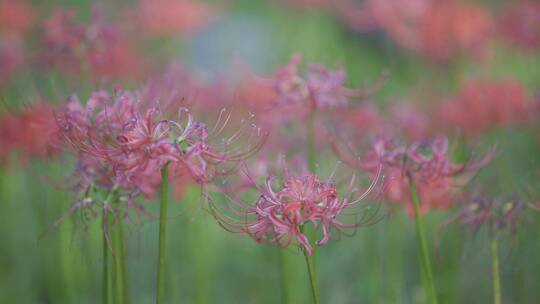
[[122, 143]]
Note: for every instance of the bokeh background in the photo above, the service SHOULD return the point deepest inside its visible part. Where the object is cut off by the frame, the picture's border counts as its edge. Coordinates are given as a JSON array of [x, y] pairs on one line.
[[427, 62]]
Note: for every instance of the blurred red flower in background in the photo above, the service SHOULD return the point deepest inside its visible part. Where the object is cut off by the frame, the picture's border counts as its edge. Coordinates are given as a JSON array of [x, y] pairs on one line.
[[438, 29], [520, 23], [483, 104], [168, 17], [16, 17], [29, 133]]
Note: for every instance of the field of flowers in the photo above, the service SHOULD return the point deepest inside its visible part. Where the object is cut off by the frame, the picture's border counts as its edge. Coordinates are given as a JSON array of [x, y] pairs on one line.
[[278, 151]]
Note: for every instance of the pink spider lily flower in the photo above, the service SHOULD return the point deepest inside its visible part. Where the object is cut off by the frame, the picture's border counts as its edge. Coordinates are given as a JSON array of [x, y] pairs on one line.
[[279, 215], [497, 214], [317, 88], [131, 141], [99, 48], [426, 164]]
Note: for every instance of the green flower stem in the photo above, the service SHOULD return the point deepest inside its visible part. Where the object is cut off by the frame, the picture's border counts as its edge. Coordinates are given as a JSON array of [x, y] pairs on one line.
[[312, 278], [121, 292], [496, 273], [312, 275], [107, 283], [312, 166], [164, 200], [105, 269], [312, 160], [284, 281], [429, 283]]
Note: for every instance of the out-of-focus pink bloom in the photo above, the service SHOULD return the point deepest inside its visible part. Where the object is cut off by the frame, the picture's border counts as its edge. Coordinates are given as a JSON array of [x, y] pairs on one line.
[[400, 20], [494, 213], [30, 133], [100, 48], [168, 17], [438, 29], [109, 53], [279, 216], [318, 88], [62, 39], [453, 28], [177, 87], [483, 104], [15, 17], [426, 164], [365, 118], [520, 24], [411, 122], [134, 141], [11, 60]]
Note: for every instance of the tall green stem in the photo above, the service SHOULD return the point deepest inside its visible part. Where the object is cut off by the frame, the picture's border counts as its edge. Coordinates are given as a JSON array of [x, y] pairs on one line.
[[121, 292], [312, 278], [312, 160], [283, 276], [105, 269], [429, 283], [310, 263], [164, 200], [312, 166], [496, 272], [107, 275]]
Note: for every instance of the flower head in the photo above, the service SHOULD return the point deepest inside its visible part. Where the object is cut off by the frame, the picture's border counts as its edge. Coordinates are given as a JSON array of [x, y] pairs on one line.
[[425, 163], [280, 214], [122, 143], [494, 213]]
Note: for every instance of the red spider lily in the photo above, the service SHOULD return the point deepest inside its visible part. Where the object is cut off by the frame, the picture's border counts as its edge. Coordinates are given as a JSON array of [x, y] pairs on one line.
[[318, 88], [30, 133], [483, 104], [426, 164], [100, 48], [15, 17], [62, 39], [173, 17], [494, 213], [108, 51], [278, 217], [520, 24], [133, 142]]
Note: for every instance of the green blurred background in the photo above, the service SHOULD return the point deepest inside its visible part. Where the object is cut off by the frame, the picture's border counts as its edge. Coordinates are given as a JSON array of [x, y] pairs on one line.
[[208, 265]]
